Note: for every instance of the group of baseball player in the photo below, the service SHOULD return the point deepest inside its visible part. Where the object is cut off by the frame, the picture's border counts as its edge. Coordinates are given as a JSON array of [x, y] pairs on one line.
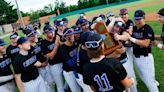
[[72, 59]]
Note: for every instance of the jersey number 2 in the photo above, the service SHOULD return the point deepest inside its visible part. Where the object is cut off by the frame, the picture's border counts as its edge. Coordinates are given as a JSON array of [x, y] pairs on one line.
[[101, 80]]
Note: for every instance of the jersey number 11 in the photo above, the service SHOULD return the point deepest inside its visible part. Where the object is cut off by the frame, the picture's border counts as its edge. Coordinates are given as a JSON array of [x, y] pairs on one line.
[[101, 80]]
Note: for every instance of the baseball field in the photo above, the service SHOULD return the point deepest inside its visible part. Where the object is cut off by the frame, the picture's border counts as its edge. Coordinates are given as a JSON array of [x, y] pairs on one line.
[[150, 7]]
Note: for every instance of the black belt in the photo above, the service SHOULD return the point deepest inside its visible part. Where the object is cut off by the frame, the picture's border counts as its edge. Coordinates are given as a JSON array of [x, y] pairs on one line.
[[3, 83], [145, 55]]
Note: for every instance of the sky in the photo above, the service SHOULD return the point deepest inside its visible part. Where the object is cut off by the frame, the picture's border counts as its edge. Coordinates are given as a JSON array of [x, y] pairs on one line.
[[28, 5]]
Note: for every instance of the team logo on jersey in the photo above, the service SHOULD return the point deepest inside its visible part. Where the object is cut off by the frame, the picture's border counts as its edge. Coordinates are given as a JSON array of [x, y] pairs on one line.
[[14, 50], [138, 35], [30, 61], [5, 63], [37, 49], [51, 47]]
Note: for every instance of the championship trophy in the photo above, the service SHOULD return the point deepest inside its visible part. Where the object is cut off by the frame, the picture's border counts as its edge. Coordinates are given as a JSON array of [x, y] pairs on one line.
[[108, 38]]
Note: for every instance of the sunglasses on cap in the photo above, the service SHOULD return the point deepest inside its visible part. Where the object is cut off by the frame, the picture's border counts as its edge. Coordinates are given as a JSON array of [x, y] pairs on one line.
[[93, 44]]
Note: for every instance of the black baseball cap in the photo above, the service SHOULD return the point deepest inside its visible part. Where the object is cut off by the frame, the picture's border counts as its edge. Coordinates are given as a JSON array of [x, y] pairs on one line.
[[161, 12], [139, 14], [83, 21], [84, 36], [13, 36], [123, 11], [65, 20], [49, 30], [2, 42], [22, 40], [68, 32], [30, 33], [93, 41], [76, 29], [47, 23], [60, 23], [55, 22]]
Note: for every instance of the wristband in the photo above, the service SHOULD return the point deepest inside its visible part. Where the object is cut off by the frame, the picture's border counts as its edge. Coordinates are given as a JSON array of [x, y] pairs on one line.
[[133, 80], [133, 40], [160, 45]]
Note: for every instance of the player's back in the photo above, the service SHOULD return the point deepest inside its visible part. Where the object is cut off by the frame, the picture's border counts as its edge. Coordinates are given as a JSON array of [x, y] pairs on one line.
[[105, 75]]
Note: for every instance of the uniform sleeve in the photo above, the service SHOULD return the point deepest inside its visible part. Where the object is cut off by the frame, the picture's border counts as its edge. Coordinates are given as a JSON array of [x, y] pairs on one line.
[[17, 66], [8, 52], [117, 67], [149, 33], [120, 71]]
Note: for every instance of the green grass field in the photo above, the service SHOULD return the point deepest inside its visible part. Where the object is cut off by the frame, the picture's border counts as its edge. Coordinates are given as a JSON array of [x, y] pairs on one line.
[[158, 54]]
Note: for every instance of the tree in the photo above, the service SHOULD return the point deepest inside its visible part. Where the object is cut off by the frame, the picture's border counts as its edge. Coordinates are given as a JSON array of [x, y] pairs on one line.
[[34, 15], [7, 13]]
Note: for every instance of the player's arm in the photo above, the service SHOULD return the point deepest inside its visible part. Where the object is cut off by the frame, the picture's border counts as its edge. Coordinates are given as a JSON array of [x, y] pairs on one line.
[[54, 51], [122, 37], [122, 75], [140, 42], [19, 82], [39, 64], [158, 37]]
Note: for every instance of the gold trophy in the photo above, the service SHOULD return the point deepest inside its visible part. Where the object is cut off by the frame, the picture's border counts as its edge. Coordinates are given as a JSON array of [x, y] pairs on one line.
[[108, 38]]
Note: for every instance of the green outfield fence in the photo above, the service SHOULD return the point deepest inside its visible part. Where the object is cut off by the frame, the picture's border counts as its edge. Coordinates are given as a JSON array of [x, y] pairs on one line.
[[90, 9]]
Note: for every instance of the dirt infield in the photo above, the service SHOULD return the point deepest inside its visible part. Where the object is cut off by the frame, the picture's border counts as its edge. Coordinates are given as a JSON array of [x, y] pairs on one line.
[[149, 17]]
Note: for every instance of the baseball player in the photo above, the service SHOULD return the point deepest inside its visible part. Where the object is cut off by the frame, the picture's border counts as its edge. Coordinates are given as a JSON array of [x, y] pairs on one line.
[[12, 49], [25, 66], [128, 27], [36, 49], [119, 32], [68, 55], [50, 49], [101, 73], [160, 37], [6, 76], [142, 36]]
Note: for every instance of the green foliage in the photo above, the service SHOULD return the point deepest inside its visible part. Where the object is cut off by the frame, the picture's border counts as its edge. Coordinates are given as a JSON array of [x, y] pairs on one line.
[[7, 13], [34, 16]]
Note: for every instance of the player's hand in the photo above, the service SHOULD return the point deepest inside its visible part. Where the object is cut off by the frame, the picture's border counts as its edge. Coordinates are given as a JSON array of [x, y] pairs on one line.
[[129, 31], [127, 34], [117, 37], [44, 64]]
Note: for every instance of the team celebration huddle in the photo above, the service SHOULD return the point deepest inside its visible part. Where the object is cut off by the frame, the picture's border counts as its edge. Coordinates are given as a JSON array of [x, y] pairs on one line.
[[97, 55]]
